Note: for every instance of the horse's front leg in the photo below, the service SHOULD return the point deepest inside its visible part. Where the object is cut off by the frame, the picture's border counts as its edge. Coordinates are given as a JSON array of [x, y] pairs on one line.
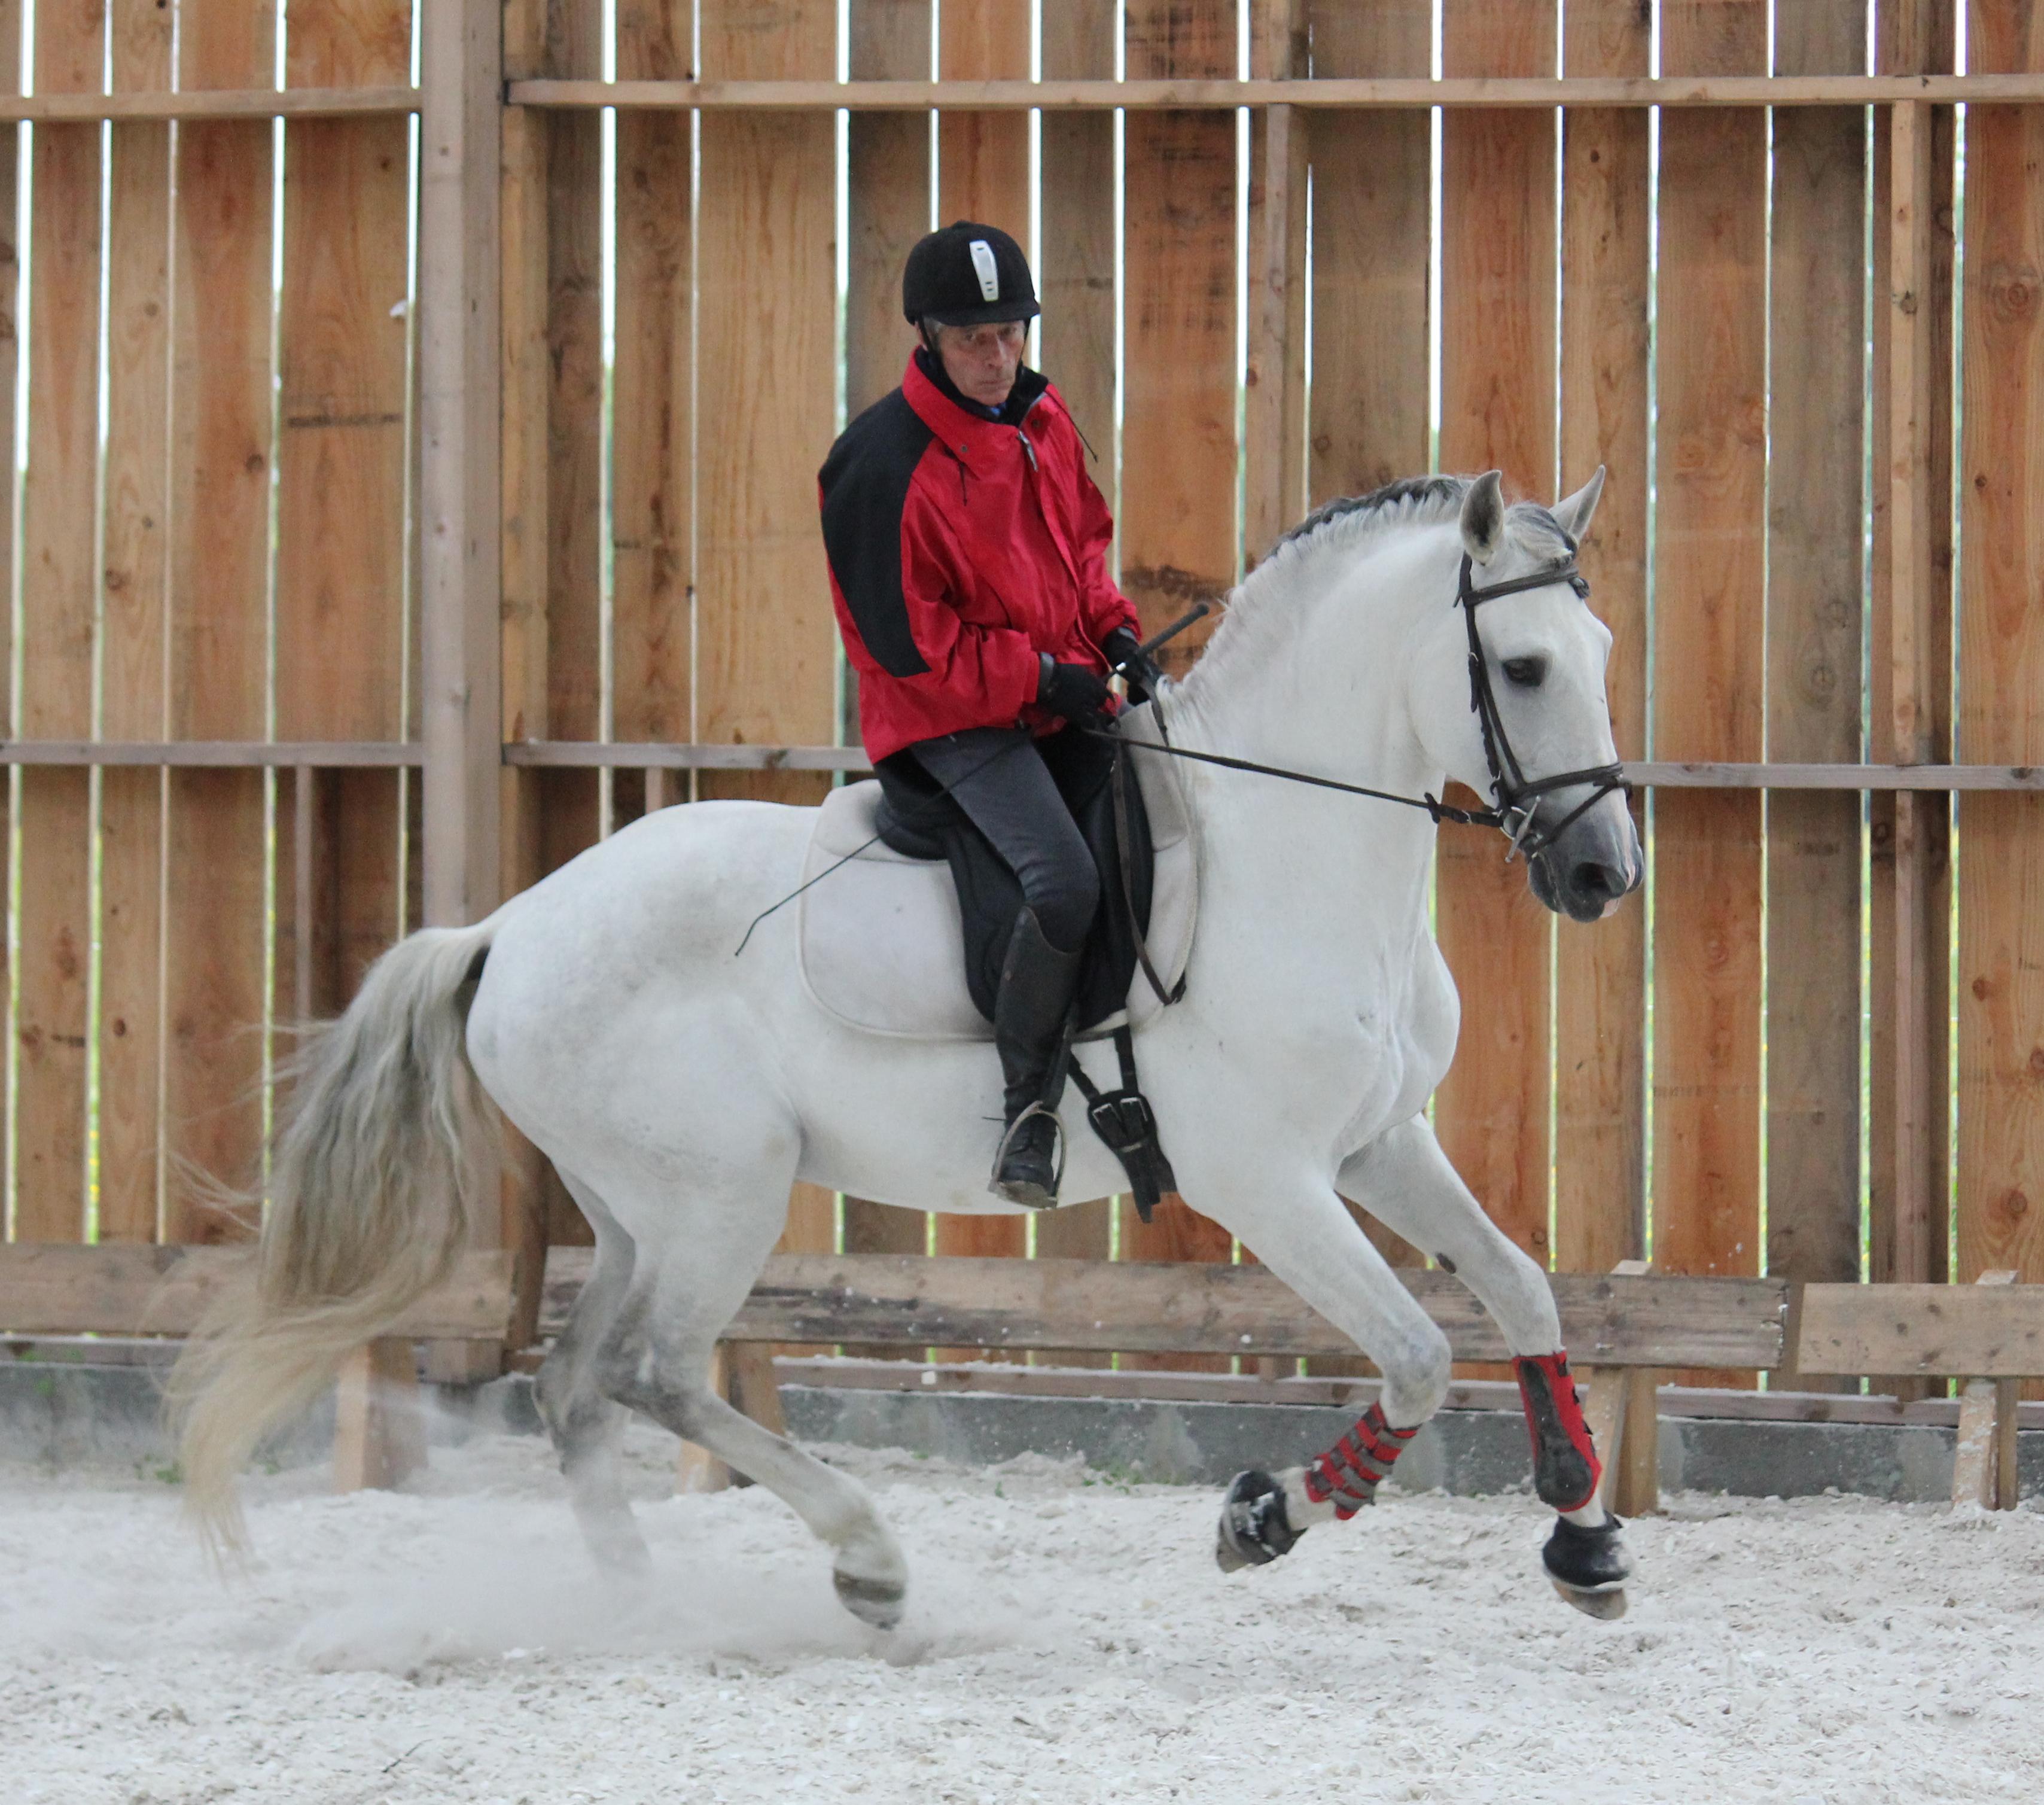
[[1302, 1232], [1404, 1180]]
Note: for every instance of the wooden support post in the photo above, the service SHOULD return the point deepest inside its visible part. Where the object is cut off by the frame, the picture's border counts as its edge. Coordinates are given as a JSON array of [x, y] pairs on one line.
[[1983, 1457], [1637, 1492], [379, 1436], [1608, 1409]]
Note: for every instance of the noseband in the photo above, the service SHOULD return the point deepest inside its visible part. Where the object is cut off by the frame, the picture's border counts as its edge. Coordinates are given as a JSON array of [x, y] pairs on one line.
[[1518, 796]]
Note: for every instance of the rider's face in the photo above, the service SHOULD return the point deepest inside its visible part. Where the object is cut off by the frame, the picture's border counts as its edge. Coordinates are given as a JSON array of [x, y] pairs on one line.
[[982, 360]]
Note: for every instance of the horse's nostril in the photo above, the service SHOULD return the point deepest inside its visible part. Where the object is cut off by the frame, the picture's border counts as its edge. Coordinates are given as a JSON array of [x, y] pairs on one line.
[[1589, 879]]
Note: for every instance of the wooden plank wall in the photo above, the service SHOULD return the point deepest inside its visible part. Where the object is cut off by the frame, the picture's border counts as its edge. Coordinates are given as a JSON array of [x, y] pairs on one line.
[[1497, 412], [1178, 448], [60, 558], [1815, 682], [1709, 688], [221, 446], [10, 301], [1601, 971], [2000, 1193], [767, 258], [341, 549], [888, 209], [134, 673]]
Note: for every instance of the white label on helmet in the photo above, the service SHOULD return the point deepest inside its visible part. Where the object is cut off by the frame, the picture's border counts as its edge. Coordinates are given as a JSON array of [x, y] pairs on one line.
[[990, 274]]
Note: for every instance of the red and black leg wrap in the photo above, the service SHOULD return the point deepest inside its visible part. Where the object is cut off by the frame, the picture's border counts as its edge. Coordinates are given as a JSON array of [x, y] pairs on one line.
[[1348, 1472], [1565, 1467]]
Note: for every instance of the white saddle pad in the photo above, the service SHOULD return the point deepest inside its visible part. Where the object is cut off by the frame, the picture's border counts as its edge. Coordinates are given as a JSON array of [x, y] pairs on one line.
[[883, 942]]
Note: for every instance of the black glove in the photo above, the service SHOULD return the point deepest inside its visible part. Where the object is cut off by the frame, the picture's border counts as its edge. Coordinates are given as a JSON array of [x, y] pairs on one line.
[[1124, 653], [1073, 691]]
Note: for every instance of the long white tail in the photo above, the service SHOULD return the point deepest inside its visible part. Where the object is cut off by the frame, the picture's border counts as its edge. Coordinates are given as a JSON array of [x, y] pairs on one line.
[[370, 1191]]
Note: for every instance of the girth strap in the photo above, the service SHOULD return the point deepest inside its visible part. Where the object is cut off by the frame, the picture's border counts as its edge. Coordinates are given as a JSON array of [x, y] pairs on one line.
[[1126, 1124]]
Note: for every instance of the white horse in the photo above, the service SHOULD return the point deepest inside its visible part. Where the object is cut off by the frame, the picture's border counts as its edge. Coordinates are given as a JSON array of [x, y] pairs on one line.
[[680, 1091]]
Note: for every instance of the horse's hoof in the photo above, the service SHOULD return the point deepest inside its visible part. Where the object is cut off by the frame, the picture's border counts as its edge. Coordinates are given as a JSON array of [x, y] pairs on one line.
[[1609, 1603], [1590, 1567], [1255, 1529], [877, 1602]]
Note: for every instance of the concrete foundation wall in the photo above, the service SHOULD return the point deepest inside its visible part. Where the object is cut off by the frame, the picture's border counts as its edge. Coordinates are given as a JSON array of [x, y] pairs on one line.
[[71, 1416]]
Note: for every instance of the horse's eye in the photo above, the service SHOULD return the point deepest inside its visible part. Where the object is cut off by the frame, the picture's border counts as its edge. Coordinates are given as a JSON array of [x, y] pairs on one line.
[[1528, 673]]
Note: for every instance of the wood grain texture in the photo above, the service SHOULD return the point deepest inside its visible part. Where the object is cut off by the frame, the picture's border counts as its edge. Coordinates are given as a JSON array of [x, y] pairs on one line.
[[766, 355], [1709, 690], [983, 158], [1371, 231], [59, 588], [1078, 284], [220, 404], [1600, 972], [983, 174], [134, 697], [888, 209], [1173, 1309], [1983, 1330], [1815, 675], [1178, 429], [1497, 411], [11, 270], [2001, 671], [651, 489], [341, 543], [1178, 442], [167, 1290]]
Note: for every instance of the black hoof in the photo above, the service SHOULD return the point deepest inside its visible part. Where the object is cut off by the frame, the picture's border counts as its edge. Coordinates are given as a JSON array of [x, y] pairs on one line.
[[1590, 1567], [1254, 1530], [879, 1602]]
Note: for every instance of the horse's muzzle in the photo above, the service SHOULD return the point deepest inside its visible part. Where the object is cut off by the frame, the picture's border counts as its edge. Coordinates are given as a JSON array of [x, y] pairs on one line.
[[1591, 866]]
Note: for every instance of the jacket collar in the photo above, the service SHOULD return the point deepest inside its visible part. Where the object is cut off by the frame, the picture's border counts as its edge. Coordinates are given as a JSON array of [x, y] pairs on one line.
[[957, 426]]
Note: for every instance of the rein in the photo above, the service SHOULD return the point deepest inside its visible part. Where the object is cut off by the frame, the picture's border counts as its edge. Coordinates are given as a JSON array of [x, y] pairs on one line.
[[1518, 797]]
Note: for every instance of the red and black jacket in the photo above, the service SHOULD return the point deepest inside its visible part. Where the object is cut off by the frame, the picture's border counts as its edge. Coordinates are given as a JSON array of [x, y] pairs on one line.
[[961, 548]]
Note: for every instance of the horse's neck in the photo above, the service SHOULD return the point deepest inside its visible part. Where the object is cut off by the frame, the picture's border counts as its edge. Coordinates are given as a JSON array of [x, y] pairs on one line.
[[1317, 701]]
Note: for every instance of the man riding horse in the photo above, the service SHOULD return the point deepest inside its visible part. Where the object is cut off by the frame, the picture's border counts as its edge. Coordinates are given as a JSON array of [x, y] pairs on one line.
[[968, 556]]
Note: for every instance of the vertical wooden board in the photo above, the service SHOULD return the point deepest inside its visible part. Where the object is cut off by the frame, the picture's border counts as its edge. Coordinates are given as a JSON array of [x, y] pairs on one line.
[[220, 412], [1372, 185], [766, 350], [1275, 371], [766, 355], [1497, 410], [135, 701], [888, 200], [60, 566], [10, 83], [1601, 971], [1178, 444], [650, 497], [341, 550], [983, 174], [2001, 670], [983, 158], [1815, 688], [1077, 282], [1709, 687]]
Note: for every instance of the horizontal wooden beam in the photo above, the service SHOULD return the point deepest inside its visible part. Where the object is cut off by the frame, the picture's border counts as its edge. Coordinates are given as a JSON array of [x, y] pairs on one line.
[[1390, 93], [229, 754], [646, 755], [1138, 1307], [1943, 777], [1941, 1331], [655, 756], [131, 1289], [213, 103]]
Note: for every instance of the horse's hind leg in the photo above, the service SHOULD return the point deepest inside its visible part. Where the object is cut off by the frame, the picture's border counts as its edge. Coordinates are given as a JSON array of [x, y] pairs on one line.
[[683, 1291], [584, 1424], [1404, 1179]]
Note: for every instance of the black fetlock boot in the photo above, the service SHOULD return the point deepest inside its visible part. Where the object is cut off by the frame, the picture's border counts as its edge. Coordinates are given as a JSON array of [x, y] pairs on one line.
[[1036, 984]]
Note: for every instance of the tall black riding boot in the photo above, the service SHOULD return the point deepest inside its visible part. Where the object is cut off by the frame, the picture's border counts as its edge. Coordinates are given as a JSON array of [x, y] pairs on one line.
[[1036, 984]]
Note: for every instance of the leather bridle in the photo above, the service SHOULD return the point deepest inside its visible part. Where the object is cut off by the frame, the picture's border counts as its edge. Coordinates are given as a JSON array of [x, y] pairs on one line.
[[1516, 795]]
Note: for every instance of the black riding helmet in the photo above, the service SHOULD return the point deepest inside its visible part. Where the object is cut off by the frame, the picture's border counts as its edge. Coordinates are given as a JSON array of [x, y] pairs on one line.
[[967, 275]]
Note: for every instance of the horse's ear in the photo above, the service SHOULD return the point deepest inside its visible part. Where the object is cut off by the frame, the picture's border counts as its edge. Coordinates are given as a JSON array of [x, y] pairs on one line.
[[1574, 512], [1483, 518]]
